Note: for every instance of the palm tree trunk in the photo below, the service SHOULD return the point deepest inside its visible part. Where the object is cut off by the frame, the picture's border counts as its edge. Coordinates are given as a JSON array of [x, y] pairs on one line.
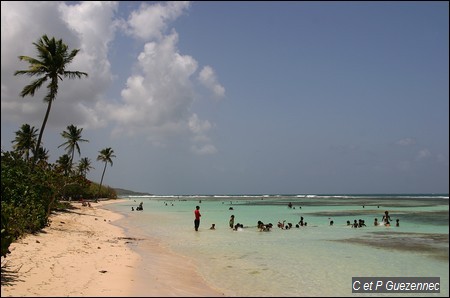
[[71, 160], [41, 132], [101, 181]]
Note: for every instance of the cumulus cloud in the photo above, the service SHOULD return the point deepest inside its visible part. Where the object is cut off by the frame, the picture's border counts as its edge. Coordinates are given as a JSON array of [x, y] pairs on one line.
[[88, 26], [197, 126], [18, 19], [208, 78], [157, 97], [150, 21], [202, 144]]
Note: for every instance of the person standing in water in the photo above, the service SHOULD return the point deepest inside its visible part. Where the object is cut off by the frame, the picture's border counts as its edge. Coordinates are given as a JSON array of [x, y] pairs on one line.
[[386, 218], [232, 221], [197, 217]]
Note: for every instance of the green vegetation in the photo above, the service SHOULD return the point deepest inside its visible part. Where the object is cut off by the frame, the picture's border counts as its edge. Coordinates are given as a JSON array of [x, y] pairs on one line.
[[31, 187], [29, 194]]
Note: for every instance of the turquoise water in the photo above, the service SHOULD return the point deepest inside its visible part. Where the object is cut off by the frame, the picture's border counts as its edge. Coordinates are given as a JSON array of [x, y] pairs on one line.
[[316, 260]]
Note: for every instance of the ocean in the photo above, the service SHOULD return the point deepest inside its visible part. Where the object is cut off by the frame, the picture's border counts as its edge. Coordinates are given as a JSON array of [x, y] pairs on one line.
[[318, 259]]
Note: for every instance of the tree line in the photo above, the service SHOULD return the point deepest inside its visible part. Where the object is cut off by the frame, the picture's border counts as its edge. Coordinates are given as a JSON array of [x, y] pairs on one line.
[[31, 186]]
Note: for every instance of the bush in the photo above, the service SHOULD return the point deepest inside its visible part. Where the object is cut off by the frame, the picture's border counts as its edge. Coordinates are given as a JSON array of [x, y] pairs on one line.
[[29, 195]]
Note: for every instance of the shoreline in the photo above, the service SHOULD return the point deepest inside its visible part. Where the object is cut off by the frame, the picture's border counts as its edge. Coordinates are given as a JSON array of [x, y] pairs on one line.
[[161, 272], [85, 253]]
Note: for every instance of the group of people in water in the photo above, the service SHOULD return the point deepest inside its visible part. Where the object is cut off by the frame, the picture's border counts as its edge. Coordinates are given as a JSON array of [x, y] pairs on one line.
[[235, 227], [386, 221], [282, 224], [264, 227], [140, 207]]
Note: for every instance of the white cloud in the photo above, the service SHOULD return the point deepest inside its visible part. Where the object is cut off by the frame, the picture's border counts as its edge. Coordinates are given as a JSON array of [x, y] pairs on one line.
[[150, 21], [208, 78], [157, 99], [88, 26], [197, 126], [18, 32], [202, 144]]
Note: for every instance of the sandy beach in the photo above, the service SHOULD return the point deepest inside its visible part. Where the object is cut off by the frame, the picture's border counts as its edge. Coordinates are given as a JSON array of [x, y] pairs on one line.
[[82, 253]]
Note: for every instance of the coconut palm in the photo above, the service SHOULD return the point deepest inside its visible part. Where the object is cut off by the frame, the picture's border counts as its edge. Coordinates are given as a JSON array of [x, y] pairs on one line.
[[42, 155], [84, 166], [105, 156], [25, 140], [63, 163], [53, 58], [73, 136]]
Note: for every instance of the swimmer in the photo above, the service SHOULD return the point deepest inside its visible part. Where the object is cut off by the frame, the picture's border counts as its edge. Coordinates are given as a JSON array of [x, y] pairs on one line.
[[386, 217]]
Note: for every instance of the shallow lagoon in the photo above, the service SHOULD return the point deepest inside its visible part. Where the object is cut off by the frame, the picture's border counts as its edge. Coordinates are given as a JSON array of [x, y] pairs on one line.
[[316, 260]]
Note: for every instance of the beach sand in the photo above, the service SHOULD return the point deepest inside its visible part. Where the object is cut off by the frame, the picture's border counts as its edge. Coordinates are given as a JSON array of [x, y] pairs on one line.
[[82, 253]]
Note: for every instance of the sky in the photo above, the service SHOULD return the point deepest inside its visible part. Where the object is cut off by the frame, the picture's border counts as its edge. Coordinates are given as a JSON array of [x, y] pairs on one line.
[[266, 97]]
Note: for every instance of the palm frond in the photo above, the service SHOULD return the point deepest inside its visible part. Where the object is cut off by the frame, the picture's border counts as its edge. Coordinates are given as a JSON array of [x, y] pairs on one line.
[[33, 87], [75, 74]]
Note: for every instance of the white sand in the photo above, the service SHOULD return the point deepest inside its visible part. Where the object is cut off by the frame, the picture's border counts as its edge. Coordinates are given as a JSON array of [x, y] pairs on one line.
[[83, 254]]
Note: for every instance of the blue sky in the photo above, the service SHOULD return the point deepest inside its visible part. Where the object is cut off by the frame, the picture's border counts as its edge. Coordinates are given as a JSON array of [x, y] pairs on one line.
[[244, 97]]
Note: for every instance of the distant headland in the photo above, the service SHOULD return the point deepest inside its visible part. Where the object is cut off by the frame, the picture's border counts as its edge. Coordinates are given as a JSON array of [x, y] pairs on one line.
[[125, 192]]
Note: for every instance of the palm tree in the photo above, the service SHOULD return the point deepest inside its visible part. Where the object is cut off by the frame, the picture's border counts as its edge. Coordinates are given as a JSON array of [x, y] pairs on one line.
[[84, 166], [63, 163], [53, 57], [105, 156], [73, 136], [41, 155], [25, 140]]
